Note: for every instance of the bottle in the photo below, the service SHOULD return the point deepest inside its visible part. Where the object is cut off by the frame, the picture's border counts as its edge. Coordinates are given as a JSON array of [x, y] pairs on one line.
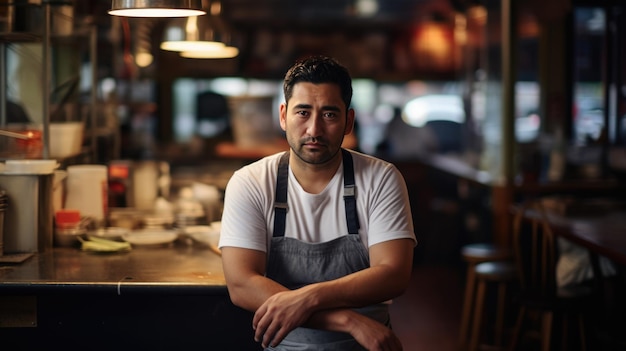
[[188, 210], [557, 158]]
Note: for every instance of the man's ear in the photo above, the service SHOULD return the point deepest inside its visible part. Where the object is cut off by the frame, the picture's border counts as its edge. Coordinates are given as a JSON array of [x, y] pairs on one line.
[[349, 121], [283, 116]]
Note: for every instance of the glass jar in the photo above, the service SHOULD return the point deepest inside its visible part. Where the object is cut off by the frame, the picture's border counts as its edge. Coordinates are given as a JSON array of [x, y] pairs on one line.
[[68, 229]]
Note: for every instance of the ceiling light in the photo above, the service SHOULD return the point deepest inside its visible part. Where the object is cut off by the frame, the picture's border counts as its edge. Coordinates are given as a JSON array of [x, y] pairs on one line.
[[192, 34], [224, 52], [156, 8]]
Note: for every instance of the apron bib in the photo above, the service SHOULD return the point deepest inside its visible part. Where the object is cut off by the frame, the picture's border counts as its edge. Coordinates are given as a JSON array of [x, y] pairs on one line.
[[294, 263]]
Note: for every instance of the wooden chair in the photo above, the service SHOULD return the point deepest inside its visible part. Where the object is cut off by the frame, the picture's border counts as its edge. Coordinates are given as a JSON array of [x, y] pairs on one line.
[[536, 255]]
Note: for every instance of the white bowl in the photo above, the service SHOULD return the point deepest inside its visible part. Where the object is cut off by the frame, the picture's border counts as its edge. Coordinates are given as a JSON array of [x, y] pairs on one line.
[[150, 237], [110, 233], [66, 139], [203, 234]]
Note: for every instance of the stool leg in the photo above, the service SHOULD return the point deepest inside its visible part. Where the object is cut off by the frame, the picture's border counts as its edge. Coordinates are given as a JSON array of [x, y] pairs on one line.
[[470, 282], [499, 328], [583, 335], [478, 315], [519, 327], [546, 330]]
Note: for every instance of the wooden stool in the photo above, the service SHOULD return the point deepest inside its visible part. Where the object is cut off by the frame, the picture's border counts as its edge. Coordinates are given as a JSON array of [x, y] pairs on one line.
[[474, 254], [501, 273]]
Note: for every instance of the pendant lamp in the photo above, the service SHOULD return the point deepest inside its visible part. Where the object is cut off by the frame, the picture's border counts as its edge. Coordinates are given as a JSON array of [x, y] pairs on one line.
[[219, 31], [191, 34], [218, 53], [156, 8], [201, 36]]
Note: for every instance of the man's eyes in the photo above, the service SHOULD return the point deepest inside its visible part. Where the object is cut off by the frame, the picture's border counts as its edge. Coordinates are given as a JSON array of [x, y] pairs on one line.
[[326, 115]]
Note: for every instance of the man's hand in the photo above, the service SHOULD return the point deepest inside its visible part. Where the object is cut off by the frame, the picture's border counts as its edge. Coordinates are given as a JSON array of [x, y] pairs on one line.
[[285, 311], [373, 335], [279, 315]]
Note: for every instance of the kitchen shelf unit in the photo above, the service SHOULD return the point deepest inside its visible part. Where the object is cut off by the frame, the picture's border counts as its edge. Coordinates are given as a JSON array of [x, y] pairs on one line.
[[83, 39]]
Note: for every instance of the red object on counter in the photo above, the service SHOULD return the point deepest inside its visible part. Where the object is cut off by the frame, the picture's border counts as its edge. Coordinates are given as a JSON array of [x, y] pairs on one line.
[[67, 218], [30, 148]]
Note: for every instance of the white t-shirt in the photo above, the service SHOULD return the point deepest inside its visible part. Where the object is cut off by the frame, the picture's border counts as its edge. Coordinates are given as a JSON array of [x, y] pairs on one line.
[[382, 205]]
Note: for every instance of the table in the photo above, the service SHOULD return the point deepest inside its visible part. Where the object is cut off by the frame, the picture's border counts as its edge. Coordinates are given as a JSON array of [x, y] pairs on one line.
[[171, 297], [603, 232]]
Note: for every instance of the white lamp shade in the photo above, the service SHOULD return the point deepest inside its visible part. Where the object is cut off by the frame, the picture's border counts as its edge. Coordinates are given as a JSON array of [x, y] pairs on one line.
[[193, 34], [156, 8], [224, 52]]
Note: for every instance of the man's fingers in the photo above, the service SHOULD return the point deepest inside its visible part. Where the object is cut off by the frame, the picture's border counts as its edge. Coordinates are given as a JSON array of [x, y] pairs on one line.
[[267, 335]]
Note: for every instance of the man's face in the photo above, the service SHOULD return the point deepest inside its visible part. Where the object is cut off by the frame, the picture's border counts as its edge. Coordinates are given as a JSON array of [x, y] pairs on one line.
[[315, 121]]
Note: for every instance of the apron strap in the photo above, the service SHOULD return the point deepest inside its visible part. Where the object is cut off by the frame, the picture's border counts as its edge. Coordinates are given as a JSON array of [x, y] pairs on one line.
[[280, 202], [349, 193]]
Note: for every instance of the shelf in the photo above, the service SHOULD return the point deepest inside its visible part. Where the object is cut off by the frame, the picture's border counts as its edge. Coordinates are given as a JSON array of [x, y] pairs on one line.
[[77, 36], [17, 37], [232, 150], [83, 40]]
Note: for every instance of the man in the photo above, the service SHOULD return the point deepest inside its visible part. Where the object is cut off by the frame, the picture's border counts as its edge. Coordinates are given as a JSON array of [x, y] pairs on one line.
[[317, 240]]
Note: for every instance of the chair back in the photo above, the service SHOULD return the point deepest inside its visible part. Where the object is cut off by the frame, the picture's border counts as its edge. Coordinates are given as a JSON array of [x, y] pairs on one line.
[[535, 250]]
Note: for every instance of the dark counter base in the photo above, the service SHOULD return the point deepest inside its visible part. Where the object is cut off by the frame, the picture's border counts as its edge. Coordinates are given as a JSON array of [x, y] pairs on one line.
[[147, 322]]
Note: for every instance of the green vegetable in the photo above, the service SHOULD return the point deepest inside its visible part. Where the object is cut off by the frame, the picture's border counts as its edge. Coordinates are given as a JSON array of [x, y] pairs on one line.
[[104, 245]]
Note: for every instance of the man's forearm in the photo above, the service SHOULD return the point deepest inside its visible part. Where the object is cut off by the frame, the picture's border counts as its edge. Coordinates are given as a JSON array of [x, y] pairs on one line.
[[332, 320], [252, 293]]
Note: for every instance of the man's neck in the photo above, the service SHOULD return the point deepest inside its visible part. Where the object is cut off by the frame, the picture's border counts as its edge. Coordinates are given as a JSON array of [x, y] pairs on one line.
[[313, 178]]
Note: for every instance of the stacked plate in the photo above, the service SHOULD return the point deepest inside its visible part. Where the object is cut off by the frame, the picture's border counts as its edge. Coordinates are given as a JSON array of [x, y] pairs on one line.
[[4, 200], [4, 203], [183, 220]]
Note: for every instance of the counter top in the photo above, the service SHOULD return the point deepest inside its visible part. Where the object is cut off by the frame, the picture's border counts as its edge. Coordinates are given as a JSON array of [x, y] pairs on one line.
[[175, 270]]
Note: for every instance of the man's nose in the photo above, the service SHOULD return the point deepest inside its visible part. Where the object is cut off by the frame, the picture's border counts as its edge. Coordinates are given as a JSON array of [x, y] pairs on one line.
[[314, 127]]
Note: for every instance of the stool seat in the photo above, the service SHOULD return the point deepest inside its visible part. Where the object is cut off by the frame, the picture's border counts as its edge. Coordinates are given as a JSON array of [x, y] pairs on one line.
[[483, 252], [496, 271]]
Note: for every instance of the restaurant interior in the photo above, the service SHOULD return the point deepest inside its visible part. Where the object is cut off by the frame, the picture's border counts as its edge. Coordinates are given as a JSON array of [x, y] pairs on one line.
[[506, 118]]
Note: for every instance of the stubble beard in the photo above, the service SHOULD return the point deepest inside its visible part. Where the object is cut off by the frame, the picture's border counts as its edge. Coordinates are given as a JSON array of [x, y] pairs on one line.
[[324, 154]]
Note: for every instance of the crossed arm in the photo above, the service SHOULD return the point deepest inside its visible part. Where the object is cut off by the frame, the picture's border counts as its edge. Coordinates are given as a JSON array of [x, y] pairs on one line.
[[324, 305]]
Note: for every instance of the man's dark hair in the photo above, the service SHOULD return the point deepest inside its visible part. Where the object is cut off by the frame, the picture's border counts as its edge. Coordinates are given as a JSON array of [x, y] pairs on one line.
[[317, 70]]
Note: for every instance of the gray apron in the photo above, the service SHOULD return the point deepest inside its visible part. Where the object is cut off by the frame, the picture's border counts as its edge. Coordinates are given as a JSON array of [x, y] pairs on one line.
[[294, 263]]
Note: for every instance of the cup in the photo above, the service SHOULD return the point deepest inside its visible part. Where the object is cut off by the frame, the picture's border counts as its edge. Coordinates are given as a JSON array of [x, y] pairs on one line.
[[87, 191]]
